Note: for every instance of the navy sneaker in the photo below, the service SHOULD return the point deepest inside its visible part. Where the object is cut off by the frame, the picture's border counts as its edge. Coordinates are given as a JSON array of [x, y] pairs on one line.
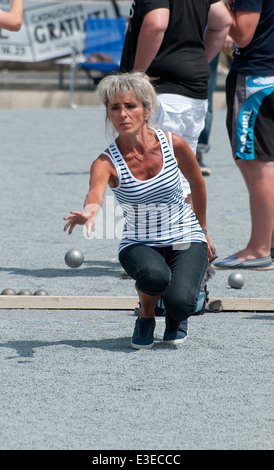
[[143, 335], [176, 331]]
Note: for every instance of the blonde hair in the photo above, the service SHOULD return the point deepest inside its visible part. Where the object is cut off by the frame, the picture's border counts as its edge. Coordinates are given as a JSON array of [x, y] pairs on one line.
[[133, 82]]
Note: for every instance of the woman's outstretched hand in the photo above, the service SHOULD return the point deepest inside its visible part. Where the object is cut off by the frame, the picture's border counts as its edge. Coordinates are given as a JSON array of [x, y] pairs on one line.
[[79, 218]]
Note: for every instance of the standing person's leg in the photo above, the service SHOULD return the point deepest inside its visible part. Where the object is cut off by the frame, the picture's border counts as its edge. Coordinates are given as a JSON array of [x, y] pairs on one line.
[[203, 141], [258, 174], [259, 177], [180, 297], [148, 268], [250, 118]]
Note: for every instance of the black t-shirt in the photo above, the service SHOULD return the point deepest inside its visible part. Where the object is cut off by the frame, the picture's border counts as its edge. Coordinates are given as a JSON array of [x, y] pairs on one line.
[[181, 62], [258, 57]]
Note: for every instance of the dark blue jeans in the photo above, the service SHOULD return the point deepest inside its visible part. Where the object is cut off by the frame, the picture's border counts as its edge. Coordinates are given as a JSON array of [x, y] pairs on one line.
[[203, 142], [174, 274]]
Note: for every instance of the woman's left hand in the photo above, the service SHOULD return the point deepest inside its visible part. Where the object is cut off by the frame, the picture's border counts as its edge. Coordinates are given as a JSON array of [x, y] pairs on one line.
[[211, 249]]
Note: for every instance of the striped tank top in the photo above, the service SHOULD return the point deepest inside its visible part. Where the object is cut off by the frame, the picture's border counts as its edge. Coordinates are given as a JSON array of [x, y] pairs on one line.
[[155, 211]]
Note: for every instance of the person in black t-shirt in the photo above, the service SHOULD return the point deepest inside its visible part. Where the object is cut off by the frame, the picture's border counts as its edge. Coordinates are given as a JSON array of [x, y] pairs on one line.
[[173, 41]]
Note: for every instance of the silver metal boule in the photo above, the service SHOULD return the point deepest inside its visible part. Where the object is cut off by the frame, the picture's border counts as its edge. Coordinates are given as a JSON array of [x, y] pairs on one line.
[[74, 258], [8, 291], [236, 280], [41, 292], [24, 292]]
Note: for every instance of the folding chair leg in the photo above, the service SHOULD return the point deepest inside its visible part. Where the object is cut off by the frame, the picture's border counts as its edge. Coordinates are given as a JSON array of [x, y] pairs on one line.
[[72, 78]]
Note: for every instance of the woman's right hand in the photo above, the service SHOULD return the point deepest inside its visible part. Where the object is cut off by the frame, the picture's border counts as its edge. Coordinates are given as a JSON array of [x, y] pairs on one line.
[[79, 218]]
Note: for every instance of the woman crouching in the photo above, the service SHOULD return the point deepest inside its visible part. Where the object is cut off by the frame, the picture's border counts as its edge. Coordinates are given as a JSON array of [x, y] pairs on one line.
[[164, 246]]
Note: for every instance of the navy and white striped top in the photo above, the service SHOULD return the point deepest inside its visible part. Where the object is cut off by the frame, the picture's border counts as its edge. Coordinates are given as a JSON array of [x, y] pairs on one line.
[[155, 210]]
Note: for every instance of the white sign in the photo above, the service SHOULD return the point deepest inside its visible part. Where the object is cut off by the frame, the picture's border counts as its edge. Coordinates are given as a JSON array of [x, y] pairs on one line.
[[50, 30]]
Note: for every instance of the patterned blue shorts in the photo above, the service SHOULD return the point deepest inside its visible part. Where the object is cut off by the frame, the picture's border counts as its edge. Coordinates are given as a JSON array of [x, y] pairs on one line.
[[250, 116]]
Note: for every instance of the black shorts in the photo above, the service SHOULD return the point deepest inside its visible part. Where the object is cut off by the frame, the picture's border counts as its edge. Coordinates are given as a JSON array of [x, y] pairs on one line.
[[250, 116]]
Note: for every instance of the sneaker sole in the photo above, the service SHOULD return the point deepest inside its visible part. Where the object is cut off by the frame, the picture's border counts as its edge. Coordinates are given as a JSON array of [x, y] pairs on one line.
[[174, 341], [141, 346]]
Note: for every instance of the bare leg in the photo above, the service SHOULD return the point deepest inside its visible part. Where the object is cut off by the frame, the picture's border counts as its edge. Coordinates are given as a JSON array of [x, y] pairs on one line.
[[148, 303], [259, 178]]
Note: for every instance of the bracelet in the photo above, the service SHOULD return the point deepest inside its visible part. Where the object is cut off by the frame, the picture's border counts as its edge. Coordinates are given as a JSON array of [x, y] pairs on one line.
[[204, 230]]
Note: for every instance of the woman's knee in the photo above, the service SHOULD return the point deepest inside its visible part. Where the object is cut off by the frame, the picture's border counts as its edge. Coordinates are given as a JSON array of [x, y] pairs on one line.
[[182, 305], [147, 267], [153, 281]]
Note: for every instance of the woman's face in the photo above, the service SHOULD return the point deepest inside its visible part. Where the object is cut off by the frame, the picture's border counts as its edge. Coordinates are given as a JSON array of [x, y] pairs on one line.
[[126, 114]]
